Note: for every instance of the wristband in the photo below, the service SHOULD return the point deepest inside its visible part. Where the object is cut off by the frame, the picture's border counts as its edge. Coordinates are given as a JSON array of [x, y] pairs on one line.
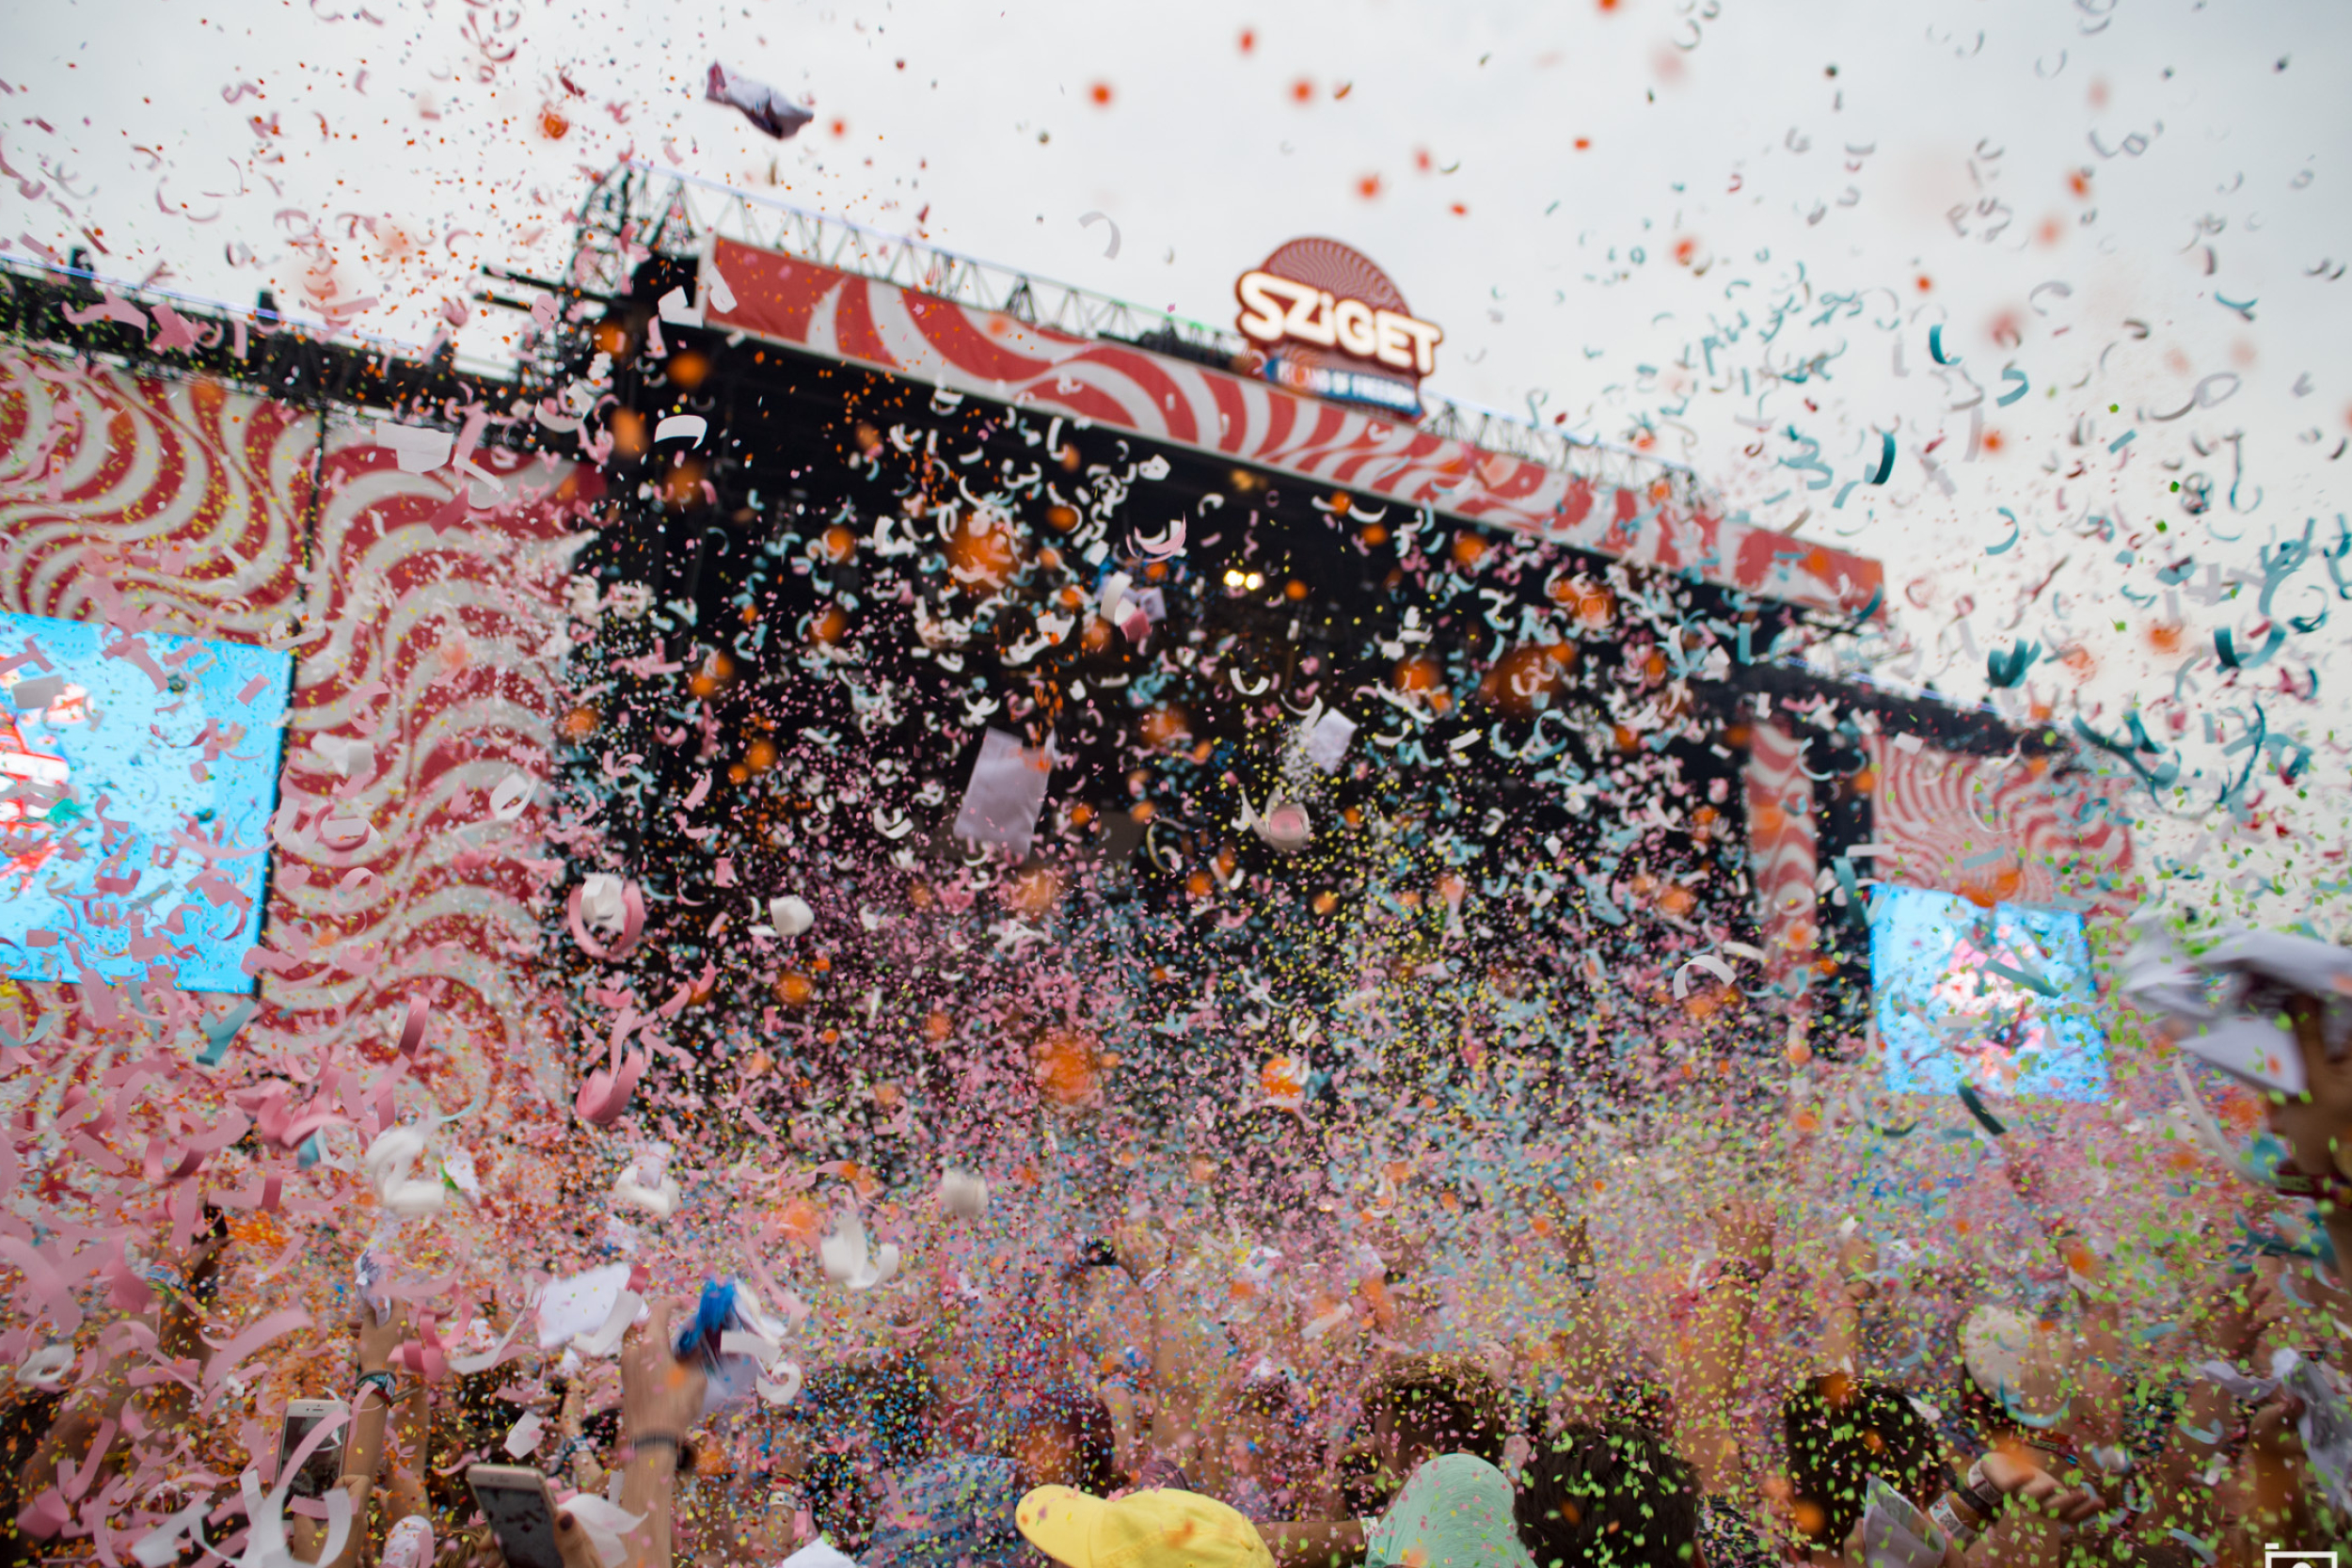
[[658, 1439], [1947, 1520], [1982, 1495], [1744, 1270], [381, 1381]]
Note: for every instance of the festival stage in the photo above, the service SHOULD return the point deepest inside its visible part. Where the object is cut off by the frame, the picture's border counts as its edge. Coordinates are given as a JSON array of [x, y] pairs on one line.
[[839, 694]]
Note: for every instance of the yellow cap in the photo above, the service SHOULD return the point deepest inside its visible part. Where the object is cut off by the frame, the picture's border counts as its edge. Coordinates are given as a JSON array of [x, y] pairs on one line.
[[1142, 1529]]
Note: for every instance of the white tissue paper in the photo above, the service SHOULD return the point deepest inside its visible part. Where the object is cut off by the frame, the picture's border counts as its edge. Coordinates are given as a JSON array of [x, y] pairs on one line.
[[2227, 999], [1006, 792], [846, 1258], [577, 1308]]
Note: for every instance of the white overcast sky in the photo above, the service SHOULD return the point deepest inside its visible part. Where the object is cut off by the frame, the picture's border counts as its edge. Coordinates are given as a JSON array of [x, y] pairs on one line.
[[1576, 190]]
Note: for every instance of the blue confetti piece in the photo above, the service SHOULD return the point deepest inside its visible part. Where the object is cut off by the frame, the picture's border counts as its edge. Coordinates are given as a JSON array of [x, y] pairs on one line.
[[220, 1031], [1986, 1120], [2124, 440], [2006, 671], [2230, 659]]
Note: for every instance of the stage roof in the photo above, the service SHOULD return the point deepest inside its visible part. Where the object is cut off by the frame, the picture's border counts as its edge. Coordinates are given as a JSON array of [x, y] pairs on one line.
[[836, 290]]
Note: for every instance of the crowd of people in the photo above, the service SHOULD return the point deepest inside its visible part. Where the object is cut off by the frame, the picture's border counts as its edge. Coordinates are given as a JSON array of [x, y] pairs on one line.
[[1110, 1412]]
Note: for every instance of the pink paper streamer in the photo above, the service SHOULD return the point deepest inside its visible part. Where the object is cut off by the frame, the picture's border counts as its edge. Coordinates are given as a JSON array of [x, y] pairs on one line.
[[55, 1295], [253, 1338], [633, 924]]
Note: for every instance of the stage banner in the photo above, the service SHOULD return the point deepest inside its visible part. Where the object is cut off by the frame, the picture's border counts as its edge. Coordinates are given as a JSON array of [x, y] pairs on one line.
[[424, 617], [2006, 830], [1987, 872], [964, 349], [1783, 855]]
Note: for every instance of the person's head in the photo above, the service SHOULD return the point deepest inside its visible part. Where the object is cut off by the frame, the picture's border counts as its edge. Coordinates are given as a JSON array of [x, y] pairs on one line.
[[951, 1513], [838, 1504], [1426, 1405], [1061, 1439], [474, 1545], [2013, 1372], [24, 1422], [1614, 1496], [1618, 1381], [900, 1400], [408, 1543], [1274, 1442], [1841, 1434], [888, 1412], [1142, 1529], [1456, 1511]]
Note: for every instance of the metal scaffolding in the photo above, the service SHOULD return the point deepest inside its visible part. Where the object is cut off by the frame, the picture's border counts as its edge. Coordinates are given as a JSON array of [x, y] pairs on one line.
[[77, 311], [639, 210]]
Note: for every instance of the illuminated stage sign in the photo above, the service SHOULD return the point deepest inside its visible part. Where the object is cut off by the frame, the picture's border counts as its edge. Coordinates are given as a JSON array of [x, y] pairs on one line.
[[137, 780], [1332, 324]]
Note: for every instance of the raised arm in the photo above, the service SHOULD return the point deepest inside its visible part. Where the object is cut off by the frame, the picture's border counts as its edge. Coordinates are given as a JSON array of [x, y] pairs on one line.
[[1839, 1297], [1581, 1338], [1717, 1345], [662, 1398], [2095, 1379], [190, 1280], [363, 1441], [184, 1286], [1184, 1381]]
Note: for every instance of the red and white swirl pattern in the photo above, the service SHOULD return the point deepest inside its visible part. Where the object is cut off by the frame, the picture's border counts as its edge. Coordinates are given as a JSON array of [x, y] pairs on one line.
[[1340, 270], [187, 508], [995, 355], [1783, 857], [1997, 829]]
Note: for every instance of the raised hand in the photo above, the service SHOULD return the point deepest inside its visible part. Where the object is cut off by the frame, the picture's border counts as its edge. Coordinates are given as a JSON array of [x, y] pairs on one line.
[[661, 1396], [1743, 1233], [2015, 1478], [378, 1340]]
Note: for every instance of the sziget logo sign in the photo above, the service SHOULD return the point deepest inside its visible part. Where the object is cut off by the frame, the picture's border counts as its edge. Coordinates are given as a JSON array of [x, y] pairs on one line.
[[1333, 324], [2279, 1556]]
